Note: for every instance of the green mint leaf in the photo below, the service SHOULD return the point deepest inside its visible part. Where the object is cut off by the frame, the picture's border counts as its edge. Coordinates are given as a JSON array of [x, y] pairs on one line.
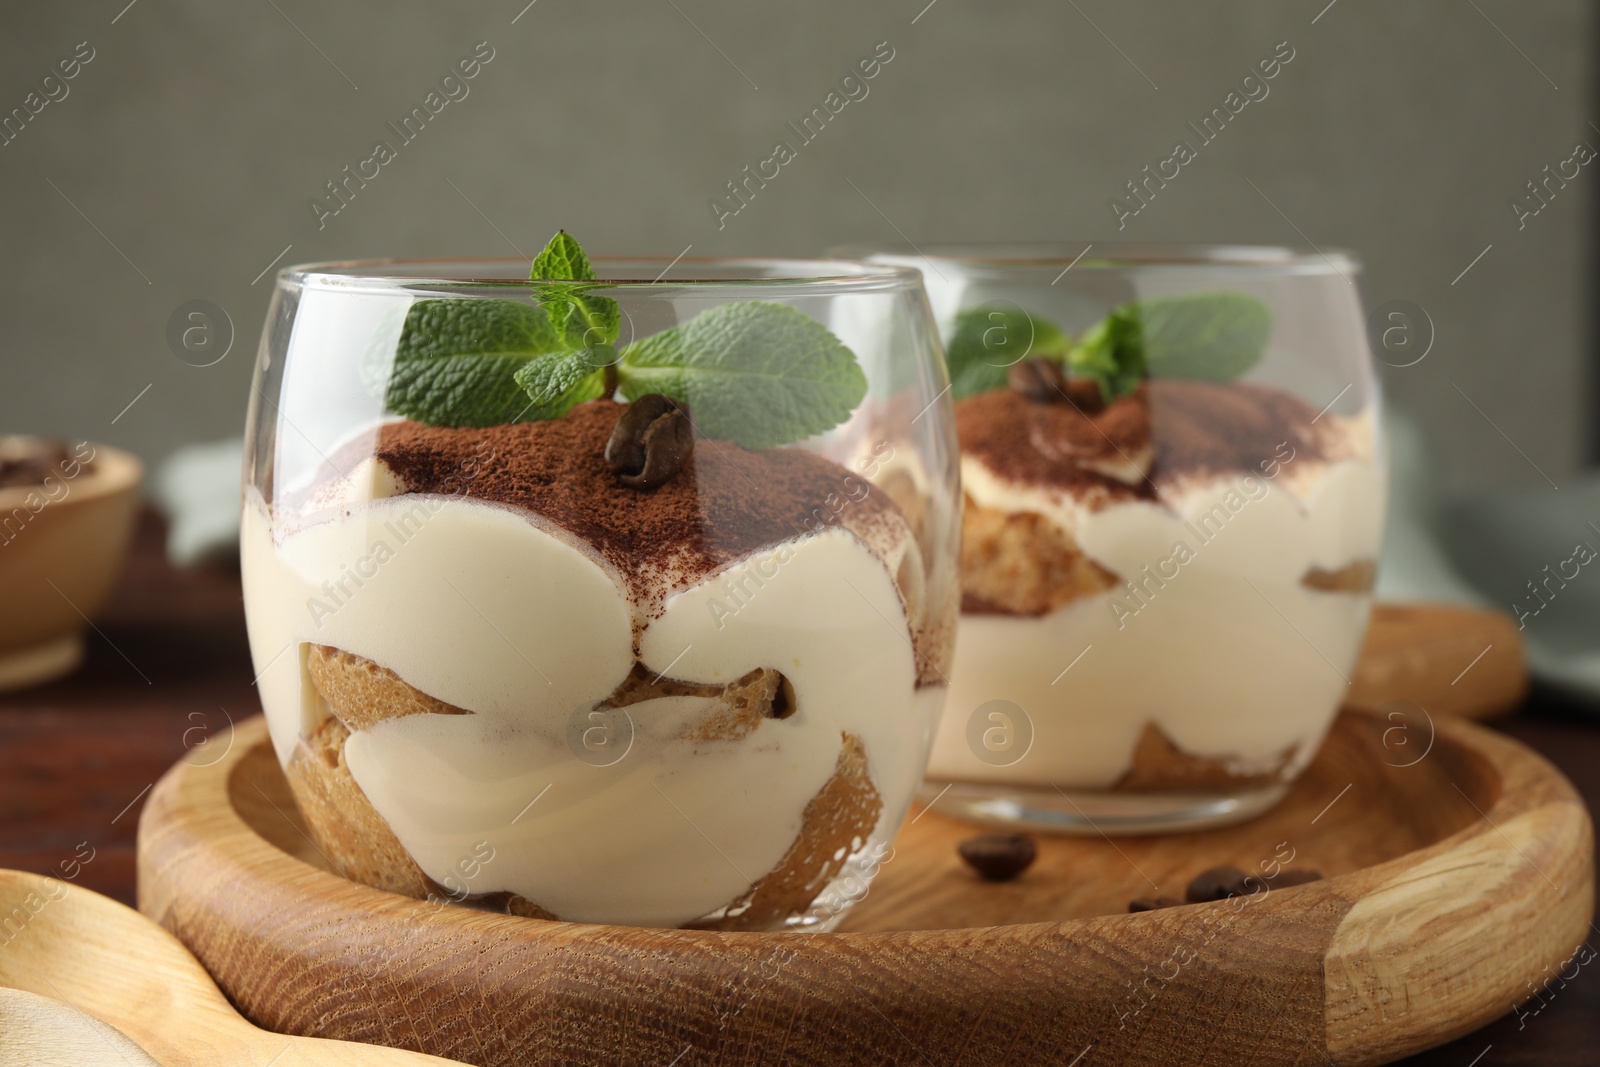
[[754, 372], [987, 341], [582, 320], [457, 360], [1211, 336], [556, 384], [1112, 353], [487, 362], [561, 261]]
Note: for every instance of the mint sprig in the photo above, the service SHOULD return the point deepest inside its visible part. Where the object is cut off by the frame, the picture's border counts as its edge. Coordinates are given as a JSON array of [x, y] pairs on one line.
[[758, 373], [482, 362], [563, 259], [581, 319], [1112, 352], [457, 361], [1207, 336], [556, 384], [987, 341], [1214, 337]]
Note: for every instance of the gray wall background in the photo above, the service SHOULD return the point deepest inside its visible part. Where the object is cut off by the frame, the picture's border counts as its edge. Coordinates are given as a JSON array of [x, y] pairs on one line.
[[184, 157]]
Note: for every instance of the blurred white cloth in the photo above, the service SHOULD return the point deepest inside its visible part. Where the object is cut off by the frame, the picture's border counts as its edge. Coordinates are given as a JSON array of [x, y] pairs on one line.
[[1536, 554], [198, 488], [1415, 564], [1513, 550]]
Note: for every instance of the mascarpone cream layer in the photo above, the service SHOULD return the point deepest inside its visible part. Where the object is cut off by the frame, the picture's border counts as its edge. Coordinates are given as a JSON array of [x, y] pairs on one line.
[[483, 607]]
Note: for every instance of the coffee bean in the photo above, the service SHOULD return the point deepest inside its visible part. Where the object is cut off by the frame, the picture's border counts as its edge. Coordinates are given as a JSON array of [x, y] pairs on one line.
[[1220, 883], [1153, 903], [1217, 883], [668, 442], [651, 441], [625, 451], [1044, 382], [1085, 395], [1039, 380], [999, 857]]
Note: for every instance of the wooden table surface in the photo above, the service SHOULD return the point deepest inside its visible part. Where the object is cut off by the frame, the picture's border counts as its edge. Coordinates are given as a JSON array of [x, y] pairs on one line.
[[169, 669]]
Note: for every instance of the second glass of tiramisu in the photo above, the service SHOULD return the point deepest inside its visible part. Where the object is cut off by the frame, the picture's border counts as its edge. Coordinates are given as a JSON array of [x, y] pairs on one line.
[[1174, 491]]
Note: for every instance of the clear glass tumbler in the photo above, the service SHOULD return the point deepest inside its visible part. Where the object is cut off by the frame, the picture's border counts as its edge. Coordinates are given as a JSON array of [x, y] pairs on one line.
[[625, 600], [1174, 485]]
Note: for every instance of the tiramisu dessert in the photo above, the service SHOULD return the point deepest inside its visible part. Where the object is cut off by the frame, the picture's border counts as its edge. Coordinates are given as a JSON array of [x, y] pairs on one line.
[[1166, 572], [611, 658]]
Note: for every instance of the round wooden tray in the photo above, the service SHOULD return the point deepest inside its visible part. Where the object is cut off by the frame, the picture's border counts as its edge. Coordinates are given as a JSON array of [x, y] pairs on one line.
[[1444, 657], [1460, 864]]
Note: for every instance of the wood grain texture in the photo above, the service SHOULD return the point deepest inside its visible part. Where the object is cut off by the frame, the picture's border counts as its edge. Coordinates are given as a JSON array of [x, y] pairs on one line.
[[42, 1032], [1433, 921], [106, 960], [1448, 659], [1511, 898]]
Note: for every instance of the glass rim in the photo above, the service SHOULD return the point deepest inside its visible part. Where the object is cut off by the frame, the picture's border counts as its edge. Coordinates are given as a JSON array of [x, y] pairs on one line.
[[813, 276], [1112, 256]]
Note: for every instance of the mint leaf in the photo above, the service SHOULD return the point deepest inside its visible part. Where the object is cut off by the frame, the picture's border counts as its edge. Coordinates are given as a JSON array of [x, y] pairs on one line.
[[457, 360], [986, 342], [556, 384], [562, 261], [582, 320], [758, 373], [1112, 353], [1211, 336], [471, 362]]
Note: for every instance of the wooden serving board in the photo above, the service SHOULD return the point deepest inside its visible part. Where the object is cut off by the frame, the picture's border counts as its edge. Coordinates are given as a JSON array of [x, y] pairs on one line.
[[1454, 881], [1445, 658]]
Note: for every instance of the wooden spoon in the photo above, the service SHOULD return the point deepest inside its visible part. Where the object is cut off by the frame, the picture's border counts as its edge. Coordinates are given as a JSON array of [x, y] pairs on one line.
[[42, 1032], [88, 951]]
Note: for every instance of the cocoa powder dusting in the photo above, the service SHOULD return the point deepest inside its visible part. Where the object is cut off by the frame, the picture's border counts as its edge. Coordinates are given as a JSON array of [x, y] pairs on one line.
[[1002, 429], [1217, 428], [1194, 427], [724, 504]]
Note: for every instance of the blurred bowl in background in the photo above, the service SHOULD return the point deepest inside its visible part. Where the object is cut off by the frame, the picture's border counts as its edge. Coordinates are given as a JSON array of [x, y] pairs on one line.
[[66, 517]]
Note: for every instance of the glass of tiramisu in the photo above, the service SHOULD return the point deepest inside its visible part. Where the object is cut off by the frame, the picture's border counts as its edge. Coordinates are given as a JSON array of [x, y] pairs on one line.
[[1173, 500], [614, 592]]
